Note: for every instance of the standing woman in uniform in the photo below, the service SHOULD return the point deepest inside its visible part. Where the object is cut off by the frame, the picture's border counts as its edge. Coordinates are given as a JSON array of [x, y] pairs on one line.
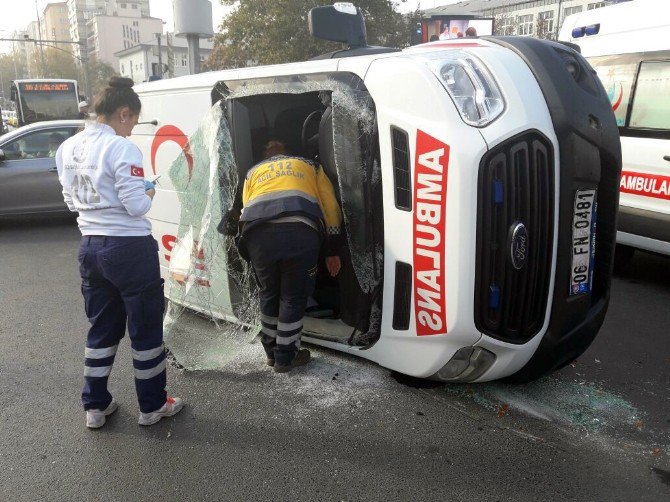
[[103, 180]]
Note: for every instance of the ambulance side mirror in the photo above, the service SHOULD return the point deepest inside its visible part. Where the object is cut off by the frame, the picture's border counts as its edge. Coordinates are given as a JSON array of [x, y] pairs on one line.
[[342, 22]]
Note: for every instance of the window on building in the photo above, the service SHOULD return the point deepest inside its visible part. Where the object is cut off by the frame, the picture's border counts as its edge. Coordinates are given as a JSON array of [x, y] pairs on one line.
[[525, 24], [123, 5], [653, 82], [505, 25], [595, 5], [569, 11], [547, 21], [124, 31], [135, 6], [202, 58], [135, 23], [184, 60], [123, 69]]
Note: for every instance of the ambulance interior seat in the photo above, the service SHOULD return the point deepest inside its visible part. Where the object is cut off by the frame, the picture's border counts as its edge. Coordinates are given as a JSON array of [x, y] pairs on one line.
[[240, 133], [327, 148]]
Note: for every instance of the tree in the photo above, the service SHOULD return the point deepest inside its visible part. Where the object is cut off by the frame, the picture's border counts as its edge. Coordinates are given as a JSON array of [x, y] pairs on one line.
[[276, 31], [12, 67], [544, 27], [58, 63], [98, 73], [504, 24]]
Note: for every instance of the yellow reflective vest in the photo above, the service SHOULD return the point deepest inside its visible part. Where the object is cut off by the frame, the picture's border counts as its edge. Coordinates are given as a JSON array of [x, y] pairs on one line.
[[284, 186]]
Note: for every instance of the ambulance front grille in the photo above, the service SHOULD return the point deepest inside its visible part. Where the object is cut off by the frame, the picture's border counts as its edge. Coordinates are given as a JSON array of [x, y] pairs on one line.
[[516, 187]]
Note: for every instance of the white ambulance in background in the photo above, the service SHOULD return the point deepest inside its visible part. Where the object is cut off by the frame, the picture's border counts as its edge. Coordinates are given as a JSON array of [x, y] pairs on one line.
[[628, 44], [499, 163]]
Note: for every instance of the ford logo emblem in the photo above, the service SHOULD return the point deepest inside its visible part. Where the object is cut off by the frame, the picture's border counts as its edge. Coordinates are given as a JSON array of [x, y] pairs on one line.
[[518, 245]]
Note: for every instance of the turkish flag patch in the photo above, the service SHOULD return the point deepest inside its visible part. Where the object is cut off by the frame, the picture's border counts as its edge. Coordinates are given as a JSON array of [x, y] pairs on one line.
[[137, 171]]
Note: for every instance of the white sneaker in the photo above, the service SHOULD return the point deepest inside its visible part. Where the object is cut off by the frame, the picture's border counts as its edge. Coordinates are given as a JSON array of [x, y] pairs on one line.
[[172, 406], [96, 418]]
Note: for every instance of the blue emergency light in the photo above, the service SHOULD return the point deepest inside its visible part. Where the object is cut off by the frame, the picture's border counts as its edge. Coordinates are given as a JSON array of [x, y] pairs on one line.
[[593, 29]]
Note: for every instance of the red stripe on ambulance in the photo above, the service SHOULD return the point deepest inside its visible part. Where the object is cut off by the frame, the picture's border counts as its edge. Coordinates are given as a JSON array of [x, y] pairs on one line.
[[430, 198], [647, 185]]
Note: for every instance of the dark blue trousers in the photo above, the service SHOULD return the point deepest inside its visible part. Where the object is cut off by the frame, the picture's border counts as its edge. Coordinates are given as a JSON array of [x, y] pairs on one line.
[[285, 258], [121, 283]]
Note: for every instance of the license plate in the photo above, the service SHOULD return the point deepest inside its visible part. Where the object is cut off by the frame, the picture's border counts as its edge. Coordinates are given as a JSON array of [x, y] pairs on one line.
[[583, 241]]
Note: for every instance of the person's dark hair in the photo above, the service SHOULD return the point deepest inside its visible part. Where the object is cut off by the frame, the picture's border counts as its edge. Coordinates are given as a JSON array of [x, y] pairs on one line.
[[433, 38], [272, 148], [118, 93]]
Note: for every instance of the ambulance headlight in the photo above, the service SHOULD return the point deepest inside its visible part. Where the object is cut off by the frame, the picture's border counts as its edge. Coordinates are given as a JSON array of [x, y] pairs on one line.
[[471, 86], [466, 365]]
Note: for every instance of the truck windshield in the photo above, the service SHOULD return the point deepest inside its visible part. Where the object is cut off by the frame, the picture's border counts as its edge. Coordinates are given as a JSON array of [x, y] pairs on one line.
[[47, 101]]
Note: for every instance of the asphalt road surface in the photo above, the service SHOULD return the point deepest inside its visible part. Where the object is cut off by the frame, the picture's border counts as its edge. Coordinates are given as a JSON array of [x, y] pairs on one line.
[[339, 429]]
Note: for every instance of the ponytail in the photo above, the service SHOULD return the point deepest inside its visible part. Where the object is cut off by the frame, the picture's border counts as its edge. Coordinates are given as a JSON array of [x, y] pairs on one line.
[[118, 93]]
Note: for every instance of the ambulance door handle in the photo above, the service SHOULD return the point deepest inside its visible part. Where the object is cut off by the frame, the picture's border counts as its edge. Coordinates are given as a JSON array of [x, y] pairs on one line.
[[666, 157]]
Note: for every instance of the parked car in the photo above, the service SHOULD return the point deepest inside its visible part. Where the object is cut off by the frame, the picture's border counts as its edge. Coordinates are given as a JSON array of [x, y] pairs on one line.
[[28, 178]]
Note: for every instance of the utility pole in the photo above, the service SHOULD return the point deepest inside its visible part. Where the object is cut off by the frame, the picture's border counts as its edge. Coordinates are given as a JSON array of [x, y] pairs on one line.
[[39, 33], [193, 53], [558, 20], [160, 56]]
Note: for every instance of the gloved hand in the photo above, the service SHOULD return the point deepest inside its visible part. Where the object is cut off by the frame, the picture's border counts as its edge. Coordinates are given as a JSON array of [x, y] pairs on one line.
[[148, 185], [229, 223]]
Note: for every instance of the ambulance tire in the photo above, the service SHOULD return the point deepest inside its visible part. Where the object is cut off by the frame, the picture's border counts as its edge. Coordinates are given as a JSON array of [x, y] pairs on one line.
[[548, 359], [623, 255]]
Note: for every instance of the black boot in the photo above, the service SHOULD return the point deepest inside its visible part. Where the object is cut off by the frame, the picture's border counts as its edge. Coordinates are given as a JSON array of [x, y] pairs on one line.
[[301, 358]]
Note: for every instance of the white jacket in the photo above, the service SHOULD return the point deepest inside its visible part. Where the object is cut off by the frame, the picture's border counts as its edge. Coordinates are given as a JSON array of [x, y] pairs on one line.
[[103, 180]]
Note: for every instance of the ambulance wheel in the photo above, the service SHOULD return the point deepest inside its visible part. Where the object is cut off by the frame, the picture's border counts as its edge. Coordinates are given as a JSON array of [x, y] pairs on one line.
[[623, 255], [548, 359]]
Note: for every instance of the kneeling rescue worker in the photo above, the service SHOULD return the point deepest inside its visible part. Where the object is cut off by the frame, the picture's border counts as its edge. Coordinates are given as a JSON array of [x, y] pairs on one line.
[[289, 208], [103, 180]]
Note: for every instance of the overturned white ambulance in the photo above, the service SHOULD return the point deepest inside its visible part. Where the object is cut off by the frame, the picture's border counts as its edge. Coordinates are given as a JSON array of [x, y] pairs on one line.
[[478, 180]]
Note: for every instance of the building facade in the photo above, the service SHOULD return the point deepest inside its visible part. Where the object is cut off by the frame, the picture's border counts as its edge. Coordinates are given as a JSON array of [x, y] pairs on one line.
[[142, 62], [108, 35], [80, 12], [538, 18], [20, 48], [56, 25]]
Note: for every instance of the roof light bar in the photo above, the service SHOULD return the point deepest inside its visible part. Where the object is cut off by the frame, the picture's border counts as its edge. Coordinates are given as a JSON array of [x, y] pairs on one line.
[[578, 32]]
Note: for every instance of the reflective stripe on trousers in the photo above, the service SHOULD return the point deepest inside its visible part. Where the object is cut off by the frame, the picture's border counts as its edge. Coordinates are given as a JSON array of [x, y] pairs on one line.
[[284, 257], [121, 285]]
